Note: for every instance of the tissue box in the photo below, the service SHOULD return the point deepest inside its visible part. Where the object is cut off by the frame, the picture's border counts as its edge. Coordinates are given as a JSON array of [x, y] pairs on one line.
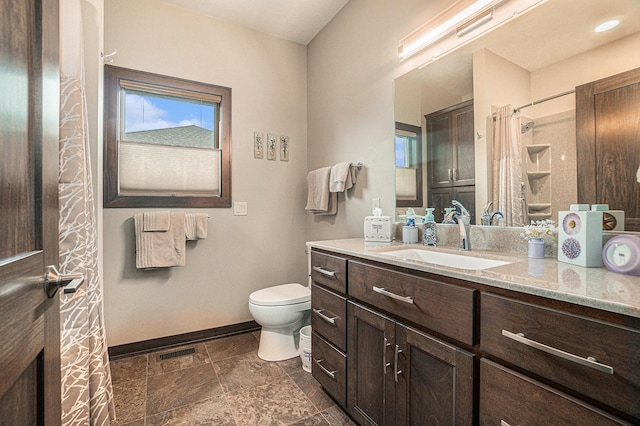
[[377, 228], [612, 220], [580, 237]]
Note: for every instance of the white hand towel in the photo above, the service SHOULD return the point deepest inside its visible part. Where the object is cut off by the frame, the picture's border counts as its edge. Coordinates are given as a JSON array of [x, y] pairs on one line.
[[160, 249], [156, 221], [342, 177], [319, 200], [195, 226]]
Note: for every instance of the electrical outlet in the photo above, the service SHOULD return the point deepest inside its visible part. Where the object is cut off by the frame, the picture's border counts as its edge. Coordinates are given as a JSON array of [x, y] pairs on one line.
[[239, 208], [376, 203]]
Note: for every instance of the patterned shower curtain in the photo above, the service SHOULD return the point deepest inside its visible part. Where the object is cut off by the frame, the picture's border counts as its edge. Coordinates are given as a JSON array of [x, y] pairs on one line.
[[507, 166], [87, 396]]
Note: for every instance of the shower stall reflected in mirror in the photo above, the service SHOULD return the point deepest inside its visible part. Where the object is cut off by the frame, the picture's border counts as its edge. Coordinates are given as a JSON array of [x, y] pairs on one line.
[[548, 153]]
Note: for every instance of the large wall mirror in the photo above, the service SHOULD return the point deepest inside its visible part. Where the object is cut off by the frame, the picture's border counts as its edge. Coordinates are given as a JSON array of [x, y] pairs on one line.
[[167, 141], [521, 81]]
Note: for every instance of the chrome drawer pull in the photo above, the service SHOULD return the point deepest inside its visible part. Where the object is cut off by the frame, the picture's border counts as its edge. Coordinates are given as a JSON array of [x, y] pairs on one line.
[[323, 271], [330, 320], [385, 364], [587, 362], [396, 372], [405, 299], [331, 374]]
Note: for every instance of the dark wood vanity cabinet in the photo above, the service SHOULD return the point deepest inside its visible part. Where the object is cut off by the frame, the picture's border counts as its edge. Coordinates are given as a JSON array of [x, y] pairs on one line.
[[407, 347], [587, 356], [329, 323], [398, 375]]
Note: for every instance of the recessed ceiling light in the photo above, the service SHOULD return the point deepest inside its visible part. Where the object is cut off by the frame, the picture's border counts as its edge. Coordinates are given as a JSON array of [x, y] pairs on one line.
[[606, 26]]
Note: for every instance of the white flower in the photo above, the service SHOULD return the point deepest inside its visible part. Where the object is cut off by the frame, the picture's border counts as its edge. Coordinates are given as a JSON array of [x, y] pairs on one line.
[[539, 229]]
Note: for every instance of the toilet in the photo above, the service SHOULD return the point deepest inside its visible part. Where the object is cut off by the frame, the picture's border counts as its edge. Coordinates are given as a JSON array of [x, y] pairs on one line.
[[282, 311]]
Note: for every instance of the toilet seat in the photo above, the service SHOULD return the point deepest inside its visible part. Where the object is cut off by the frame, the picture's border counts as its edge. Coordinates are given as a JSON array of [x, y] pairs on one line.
[[285, 294]]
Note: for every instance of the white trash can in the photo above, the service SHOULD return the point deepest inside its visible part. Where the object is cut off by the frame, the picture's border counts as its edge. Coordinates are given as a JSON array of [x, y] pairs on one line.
[[305, 348]]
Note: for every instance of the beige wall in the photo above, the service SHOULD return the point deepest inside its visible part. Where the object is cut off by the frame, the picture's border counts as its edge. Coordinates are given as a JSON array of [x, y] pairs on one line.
[[352, 63], [268, 77]]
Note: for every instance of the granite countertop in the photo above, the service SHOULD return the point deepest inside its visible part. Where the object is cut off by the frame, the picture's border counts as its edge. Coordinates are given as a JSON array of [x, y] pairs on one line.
[[592, 287]]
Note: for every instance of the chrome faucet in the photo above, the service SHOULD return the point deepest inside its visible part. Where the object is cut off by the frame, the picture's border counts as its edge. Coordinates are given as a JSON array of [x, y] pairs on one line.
[[487, 217], [462, 217], [494, 214]]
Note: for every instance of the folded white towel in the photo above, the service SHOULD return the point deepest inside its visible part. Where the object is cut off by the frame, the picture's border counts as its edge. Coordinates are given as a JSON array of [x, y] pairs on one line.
[[156, 221], [319, 200], [196, 226], [160, 249], [342, 177]]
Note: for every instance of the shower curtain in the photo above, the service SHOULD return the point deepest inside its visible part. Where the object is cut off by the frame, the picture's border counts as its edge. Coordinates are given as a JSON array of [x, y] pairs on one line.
[[87, 395], [507, 166]]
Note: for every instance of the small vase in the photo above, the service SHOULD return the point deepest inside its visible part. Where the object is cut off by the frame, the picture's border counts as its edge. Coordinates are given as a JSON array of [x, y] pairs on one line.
[[536, 248]]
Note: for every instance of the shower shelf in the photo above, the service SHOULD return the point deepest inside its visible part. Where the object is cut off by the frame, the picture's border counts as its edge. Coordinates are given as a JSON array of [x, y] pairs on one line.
[[537, 175], [538, 207], [539, 216], [535, 149]]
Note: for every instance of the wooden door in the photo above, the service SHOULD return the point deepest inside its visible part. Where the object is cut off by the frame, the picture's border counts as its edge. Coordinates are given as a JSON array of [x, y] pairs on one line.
[[370, 383], [440, 150], [29, 320], [464, 157], [608, 144], [436, 384]]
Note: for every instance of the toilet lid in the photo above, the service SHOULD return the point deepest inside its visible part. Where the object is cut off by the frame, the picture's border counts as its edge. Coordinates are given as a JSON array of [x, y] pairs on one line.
[[285, 294]]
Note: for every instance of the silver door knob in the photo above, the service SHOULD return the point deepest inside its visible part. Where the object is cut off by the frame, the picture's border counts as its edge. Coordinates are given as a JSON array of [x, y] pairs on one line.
[[53, 280]]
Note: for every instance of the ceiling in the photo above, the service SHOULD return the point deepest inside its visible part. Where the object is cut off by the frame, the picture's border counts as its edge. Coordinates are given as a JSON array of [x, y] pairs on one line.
[[295, 20]]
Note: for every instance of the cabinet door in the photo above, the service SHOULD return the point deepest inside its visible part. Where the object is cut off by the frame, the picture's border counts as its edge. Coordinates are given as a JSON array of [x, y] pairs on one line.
[[370, 385], [440, 151], [435, 385], [464, 169], [467, 196]]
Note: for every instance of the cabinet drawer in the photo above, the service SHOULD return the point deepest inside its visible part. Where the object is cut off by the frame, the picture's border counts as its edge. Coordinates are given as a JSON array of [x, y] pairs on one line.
[[444, 308], [330, 271], [329, 367], [329, 316], [592, 357], [509, 398]]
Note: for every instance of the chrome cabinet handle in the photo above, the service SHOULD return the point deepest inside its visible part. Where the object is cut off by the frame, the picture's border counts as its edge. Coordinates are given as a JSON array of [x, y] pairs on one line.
[[331, 374], [396, 372], [324, 271], [454, 174], [450, 174], [53, 280], [385, 364], [330, 320], [384, 292], [590, 362]]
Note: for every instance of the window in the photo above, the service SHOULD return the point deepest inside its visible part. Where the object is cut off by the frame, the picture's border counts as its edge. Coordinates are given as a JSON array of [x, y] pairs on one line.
[[408, 142], [167, 141]]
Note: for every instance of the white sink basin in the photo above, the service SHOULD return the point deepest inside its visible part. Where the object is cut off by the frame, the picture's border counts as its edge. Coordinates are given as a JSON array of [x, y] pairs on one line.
[[445, 259]]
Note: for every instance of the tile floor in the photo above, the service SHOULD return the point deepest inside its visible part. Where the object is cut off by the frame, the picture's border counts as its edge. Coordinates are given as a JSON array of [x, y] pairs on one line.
[[222, 383]]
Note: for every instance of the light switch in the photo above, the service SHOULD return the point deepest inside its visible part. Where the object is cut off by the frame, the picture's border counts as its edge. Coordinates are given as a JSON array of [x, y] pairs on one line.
[[239, 208]]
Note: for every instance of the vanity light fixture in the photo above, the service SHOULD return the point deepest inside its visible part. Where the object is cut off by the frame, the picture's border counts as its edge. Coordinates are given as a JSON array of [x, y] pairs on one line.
[[459, 14], [606, 26], [477, 22]]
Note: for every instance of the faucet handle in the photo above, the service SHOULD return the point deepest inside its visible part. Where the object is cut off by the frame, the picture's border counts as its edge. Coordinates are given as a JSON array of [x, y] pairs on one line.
[[461, 209]]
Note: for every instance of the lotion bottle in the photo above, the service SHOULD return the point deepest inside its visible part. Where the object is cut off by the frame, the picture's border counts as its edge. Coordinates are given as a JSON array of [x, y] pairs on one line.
[[429, 228]]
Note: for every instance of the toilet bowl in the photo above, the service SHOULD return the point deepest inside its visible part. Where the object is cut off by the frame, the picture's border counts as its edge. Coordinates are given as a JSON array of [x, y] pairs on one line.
[[282, 311]]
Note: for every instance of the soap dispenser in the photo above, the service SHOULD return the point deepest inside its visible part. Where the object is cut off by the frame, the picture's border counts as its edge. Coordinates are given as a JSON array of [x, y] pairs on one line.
[[429, 228]]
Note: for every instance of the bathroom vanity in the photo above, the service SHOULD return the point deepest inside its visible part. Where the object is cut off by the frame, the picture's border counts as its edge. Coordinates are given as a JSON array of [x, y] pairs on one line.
[[400, 340]]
